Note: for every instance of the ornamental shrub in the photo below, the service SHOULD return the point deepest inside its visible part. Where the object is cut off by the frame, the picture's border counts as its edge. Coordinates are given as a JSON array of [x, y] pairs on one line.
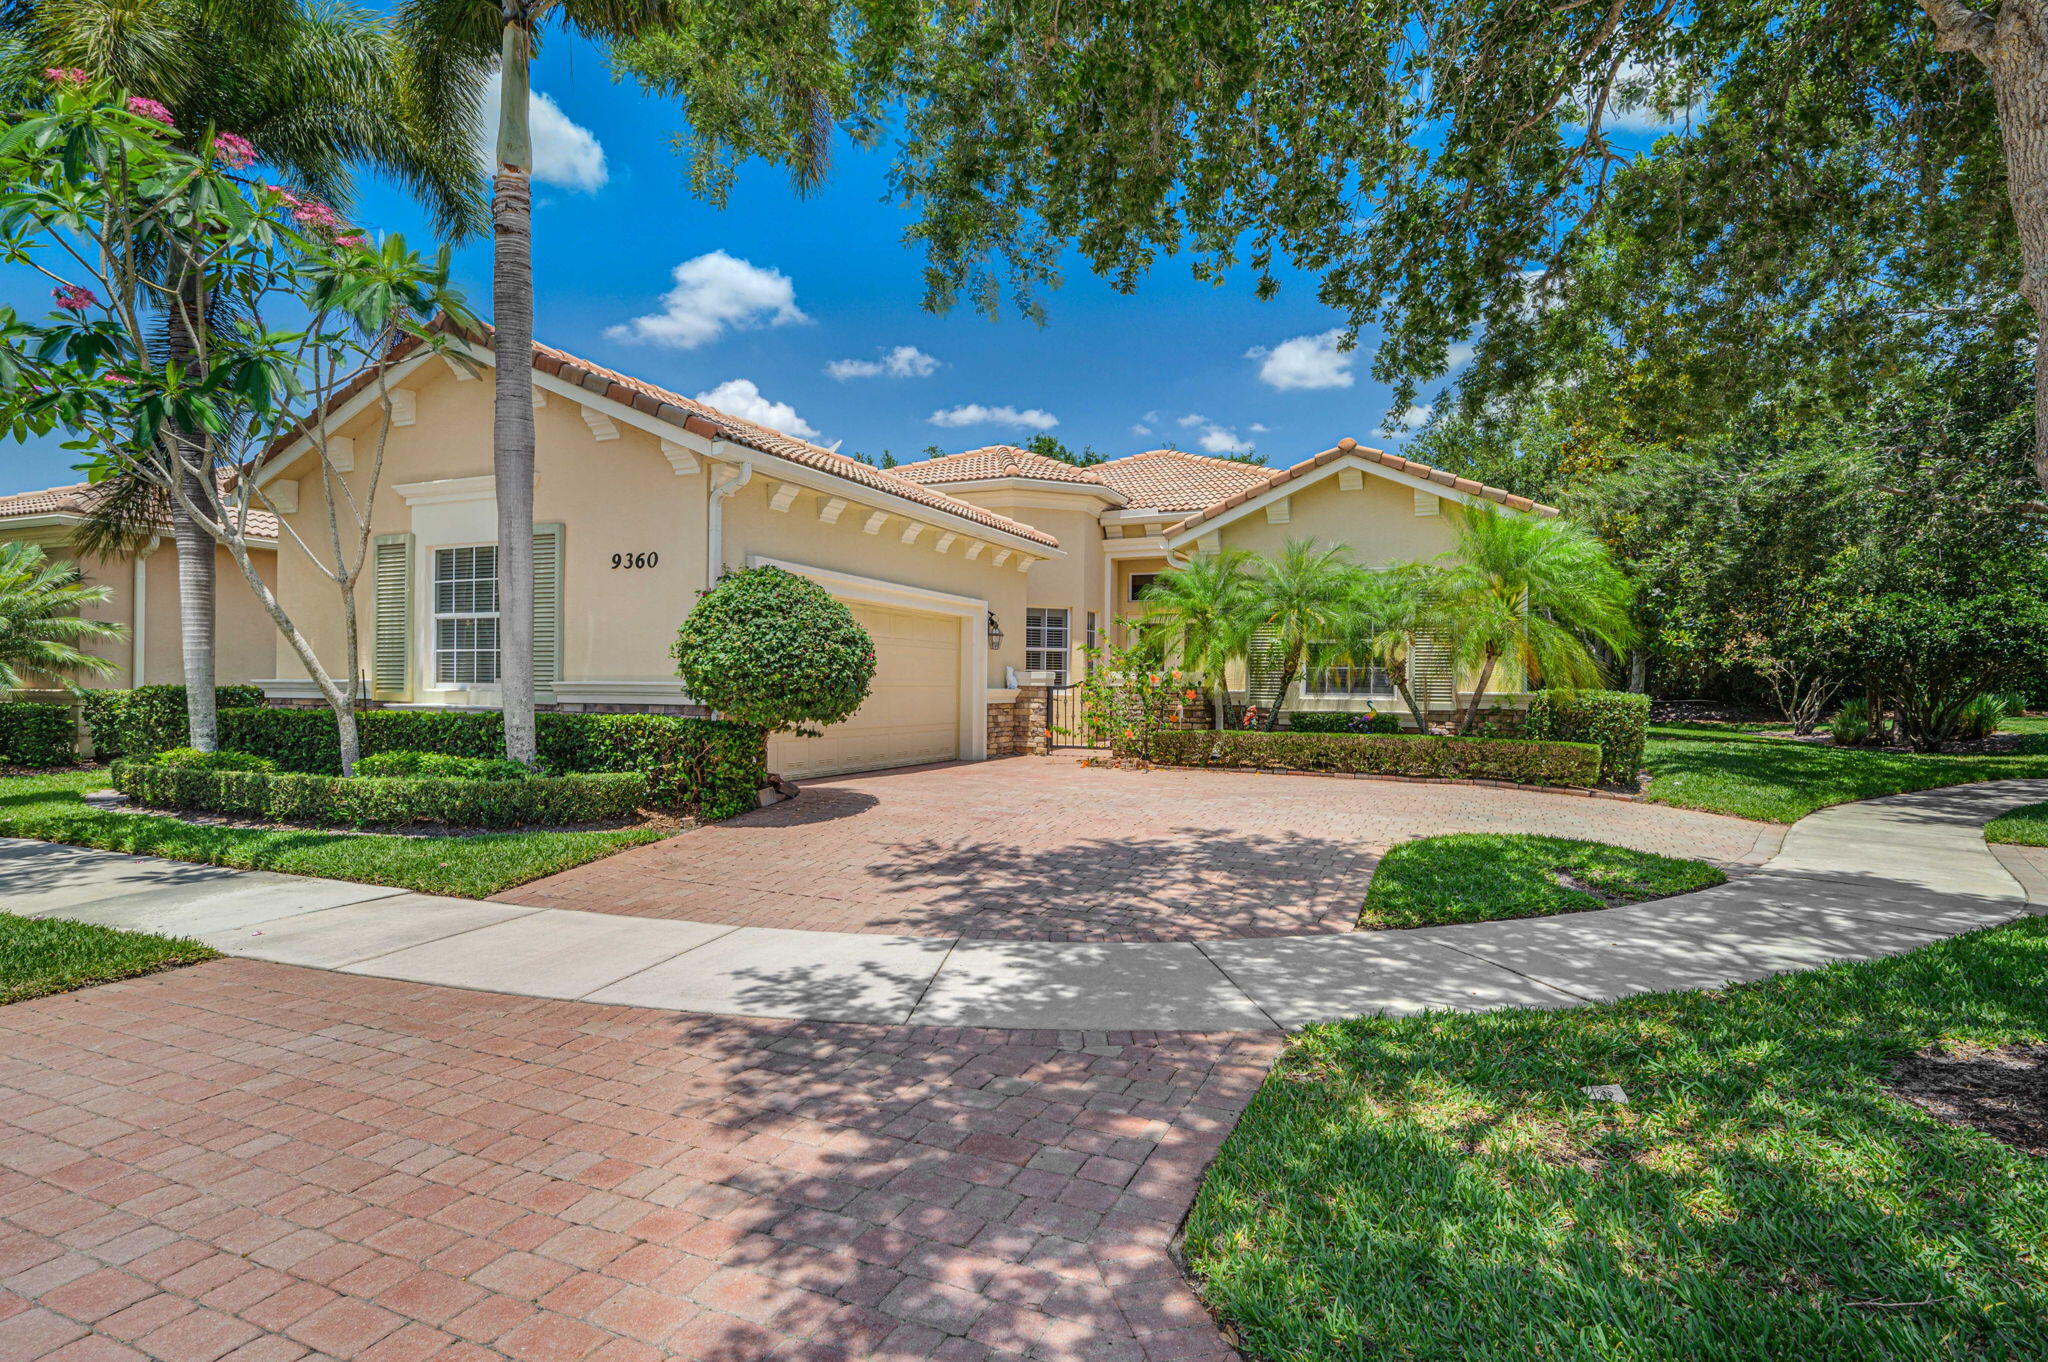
[[149, 719], [192, 759], [1851, 726], [439, 766], [1341, 721], [1522, 761], [769, 648], [1618, 721], [36, 734], [339, 801]]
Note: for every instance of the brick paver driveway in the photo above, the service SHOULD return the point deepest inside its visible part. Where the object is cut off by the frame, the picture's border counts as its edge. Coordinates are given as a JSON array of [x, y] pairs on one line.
[[1042, 848], [261, 1163]]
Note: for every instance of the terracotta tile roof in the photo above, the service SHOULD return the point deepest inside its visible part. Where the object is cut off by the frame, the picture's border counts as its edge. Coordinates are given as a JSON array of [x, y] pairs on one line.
[[77, 499], [1349, 447], [1173, 480], [997, 461]]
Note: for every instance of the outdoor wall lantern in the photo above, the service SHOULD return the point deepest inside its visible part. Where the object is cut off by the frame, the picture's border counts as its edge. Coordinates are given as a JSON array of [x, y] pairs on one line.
[[995, 632]]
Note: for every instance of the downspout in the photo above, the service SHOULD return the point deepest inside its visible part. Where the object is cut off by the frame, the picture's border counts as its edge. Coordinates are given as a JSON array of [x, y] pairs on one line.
[[714, 528], [138, 636]]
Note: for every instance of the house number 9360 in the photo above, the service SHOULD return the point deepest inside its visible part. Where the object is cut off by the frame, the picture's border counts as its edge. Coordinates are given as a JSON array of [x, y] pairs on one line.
[[635, 560]]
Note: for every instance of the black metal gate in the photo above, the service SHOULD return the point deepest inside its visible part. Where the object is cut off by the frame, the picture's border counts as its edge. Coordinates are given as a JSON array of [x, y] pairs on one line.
[[1066, 715]]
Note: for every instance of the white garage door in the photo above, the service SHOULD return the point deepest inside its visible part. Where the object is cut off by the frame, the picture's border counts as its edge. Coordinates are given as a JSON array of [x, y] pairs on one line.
[[912, 714]]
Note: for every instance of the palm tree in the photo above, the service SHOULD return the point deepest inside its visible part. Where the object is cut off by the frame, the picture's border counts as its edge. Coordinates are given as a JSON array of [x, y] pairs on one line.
[[1386, 612], [315, 89], [1299, 604], [1531, 592], [1200, 615], [40, 628]]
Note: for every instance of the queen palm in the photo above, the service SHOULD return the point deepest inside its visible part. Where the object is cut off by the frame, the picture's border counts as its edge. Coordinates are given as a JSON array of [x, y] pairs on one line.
[[40, 627], [1298, 610], [315, 89], [1387, 611], [1200, 615], [1531, 592]]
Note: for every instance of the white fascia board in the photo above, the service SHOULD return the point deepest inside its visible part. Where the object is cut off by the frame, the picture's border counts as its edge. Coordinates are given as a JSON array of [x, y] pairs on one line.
[[1043, 486], [342, 415]]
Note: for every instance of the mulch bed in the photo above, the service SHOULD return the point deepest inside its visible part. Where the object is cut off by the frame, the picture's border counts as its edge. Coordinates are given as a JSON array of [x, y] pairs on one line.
[[2002, 1092]]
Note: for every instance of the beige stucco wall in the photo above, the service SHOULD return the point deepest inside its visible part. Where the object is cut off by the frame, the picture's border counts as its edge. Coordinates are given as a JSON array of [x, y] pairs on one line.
[[1074, 583], [1377, 523], [1122, 569]]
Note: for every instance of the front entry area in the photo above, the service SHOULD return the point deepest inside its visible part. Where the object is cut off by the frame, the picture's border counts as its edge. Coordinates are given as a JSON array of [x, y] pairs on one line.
[[912, 713]]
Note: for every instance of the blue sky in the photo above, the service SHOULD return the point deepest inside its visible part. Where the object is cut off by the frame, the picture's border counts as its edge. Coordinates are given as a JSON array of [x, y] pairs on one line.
[[801, 284]]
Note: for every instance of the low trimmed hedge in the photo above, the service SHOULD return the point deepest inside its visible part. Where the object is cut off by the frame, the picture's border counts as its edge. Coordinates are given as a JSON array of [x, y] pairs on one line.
[[1513, 759], [37, 735], [1342, 721], [150, 719], [379, 801], [440, 766], [706, 767], [1617, 720], [226, 759]]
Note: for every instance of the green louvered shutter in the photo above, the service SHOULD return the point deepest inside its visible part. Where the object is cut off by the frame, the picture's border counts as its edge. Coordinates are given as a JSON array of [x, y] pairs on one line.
[[391, 629], [547, 609]]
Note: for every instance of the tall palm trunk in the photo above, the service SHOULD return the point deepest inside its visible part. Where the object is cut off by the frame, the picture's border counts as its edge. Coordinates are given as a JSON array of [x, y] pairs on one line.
[[1287, 671], [191, 456], [1478, 692], [512, 436], [1397, 672]]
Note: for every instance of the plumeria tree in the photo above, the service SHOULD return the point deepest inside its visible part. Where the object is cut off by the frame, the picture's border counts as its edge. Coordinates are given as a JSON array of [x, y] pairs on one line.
[[92, 194]]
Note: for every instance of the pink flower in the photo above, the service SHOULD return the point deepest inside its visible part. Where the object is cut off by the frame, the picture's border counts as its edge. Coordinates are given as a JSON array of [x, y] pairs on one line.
[[151, 110], [74, 297], [121, 379], [67, 75], [313, 213], [236, 153], [352, 239]]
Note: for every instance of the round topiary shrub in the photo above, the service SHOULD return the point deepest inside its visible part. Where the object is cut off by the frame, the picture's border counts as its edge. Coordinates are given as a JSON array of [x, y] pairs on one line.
[[769, 648]]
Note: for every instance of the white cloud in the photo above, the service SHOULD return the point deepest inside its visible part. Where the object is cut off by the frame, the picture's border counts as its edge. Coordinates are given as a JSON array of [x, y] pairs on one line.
[[1222, 440], [1408, 422], [1191, 420], [1632, 107], [714, 293], [1459, 355], [905, 361], [1305, 362], [975, 414], [739, 397], [1257, 428], [565, 153], [1141, 430]]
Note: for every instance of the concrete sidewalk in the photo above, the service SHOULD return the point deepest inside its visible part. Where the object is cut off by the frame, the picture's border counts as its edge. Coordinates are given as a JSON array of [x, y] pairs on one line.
[[1851, 883]]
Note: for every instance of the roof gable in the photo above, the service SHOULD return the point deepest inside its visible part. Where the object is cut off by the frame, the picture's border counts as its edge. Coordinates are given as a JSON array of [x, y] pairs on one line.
[[1174, 480], [997, 461]]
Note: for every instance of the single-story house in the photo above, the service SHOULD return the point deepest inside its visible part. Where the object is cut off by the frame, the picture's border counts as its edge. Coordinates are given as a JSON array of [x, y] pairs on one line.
[[144, 587], [976, 573]]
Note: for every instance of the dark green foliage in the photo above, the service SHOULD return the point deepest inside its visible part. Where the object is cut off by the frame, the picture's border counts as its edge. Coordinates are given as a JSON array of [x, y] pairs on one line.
[[440, 766], [1489, 877], [1525, 763], [1617, 720], [706, 767], [338, 801], [35, 735], [1935, 653], [192, 759], [772, 649], [135, 723], [1338, 721]]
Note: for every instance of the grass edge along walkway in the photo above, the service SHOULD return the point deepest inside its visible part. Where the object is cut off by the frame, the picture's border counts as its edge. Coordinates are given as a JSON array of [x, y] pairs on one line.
[[1438, 1187], [47, 807], [1493, 877], [41, 956], [1780, 780]]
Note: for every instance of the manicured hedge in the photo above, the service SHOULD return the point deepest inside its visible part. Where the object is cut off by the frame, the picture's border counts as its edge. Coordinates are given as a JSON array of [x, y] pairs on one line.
[[149, 719], [1341, 721], [439, 766], [35, 735], [706, 767], [374, 801], [1617, 720], [1518, 760]]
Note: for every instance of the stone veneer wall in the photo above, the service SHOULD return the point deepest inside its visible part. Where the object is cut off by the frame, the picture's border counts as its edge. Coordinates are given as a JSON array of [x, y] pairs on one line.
[[1017, 728]]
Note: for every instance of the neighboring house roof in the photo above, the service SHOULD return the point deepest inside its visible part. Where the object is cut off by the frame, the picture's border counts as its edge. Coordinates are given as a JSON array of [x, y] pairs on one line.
[[77, 500], [1171, 480], [1351, 449], [707, 421], [997, 461]]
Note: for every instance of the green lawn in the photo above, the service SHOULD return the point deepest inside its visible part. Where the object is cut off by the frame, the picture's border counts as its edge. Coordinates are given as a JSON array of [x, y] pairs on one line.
[[48, 807], [39, 957], [1438, 1188], [1777, 780], [2025, 827], [1482, 877]]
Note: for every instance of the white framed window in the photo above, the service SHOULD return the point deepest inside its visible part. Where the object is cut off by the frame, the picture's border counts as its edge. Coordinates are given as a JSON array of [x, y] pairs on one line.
[[466, 616], [1343, 681], [1139, 581], [1047, 638]]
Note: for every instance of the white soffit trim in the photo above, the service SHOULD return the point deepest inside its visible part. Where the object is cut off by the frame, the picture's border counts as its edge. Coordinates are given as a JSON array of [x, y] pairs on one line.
[[448, 490], [1294, 486]]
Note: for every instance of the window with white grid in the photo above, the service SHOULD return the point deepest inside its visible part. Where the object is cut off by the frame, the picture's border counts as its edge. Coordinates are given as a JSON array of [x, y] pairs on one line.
[[1347, 681], [466, 616], [1046, 640]]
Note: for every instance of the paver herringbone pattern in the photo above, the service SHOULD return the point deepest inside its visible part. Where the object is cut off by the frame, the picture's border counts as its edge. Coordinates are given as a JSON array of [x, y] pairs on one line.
[[260, 1163], [1043, 848]]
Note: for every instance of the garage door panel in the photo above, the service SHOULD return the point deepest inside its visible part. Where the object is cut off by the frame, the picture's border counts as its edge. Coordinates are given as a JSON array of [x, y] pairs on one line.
[[911, 715]]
